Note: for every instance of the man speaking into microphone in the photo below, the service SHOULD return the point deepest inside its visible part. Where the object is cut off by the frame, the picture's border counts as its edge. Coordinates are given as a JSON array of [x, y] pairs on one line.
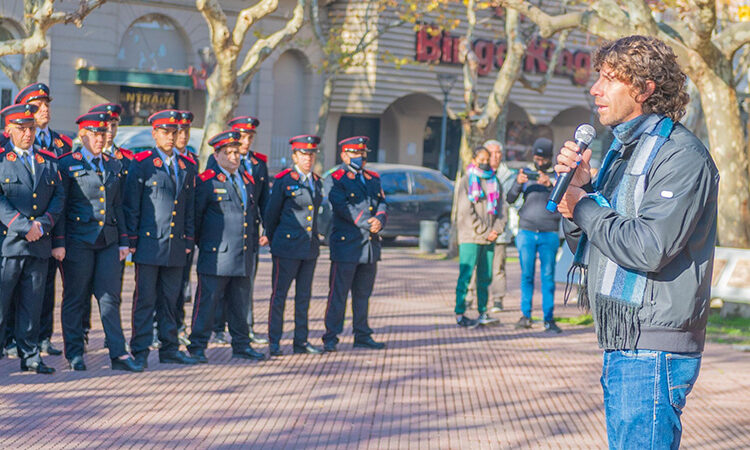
[[644, 231]]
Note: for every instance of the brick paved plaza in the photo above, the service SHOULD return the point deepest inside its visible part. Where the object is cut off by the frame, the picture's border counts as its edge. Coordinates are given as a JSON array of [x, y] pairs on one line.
[[435, 386]]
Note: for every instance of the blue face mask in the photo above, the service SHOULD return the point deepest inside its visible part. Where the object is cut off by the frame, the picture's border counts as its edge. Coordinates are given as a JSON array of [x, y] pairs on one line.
[[357, 163]]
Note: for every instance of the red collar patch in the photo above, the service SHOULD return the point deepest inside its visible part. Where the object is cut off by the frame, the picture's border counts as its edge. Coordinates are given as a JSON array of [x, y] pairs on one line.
[[118, 154], [221, 177], [58, 142], [350, 175], [368, 176], [158, 162], [78, 156], [12, 156], [181, 164], [294, 175], [39, 159]]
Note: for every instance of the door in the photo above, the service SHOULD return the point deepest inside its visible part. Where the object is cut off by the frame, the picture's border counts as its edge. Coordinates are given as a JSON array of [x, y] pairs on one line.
[[396, 189], [433, 195]]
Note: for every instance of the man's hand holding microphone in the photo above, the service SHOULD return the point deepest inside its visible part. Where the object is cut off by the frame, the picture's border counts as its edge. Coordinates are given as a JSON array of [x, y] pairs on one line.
[[573, 171]]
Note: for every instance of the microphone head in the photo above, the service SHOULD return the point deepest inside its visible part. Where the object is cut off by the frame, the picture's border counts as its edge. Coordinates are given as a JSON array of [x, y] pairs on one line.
[[585, 133]]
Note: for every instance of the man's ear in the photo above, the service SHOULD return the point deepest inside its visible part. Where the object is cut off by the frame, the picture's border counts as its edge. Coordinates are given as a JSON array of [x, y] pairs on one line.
[[643, 96]]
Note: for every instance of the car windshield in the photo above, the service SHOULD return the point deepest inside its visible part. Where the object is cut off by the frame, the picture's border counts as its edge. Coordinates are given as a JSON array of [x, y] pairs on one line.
[[394, 183], [426, 183]]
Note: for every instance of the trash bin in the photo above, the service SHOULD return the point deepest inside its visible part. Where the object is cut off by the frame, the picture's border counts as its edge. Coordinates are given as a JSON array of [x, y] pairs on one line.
[[427, 236]]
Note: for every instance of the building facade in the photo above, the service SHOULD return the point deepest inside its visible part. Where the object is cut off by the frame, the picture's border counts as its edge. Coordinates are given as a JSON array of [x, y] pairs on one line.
[[150, 55]]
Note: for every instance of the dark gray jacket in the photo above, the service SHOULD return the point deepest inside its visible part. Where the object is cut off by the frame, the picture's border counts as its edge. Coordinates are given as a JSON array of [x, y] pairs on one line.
[[533, 214], [672, 239]]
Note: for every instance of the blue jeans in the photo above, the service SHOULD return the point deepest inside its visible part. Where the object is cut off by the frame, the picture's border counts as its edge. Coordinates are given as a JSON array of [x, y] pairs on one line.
[[644, 393], [529, 243]]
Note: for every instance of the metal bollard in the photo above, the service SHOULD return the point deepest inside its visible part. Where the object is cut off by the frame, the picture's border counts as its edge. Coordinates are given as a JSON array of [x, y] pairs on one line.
[[427, 236]]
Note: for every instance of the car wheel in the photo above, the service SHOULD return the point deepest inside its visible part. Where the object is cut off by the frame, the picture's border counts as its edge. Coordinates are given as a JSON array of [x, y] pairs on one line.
[[444, 232]]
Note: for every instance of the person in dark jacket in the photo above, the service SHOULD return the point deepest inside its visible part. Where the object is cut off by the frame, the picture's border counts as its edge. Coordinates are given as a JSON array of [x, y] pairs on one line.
[[225, 212], [31, 203], [291, 221], [90, 240], [644, 232], [359, 215], [159, 207], [537, 233]]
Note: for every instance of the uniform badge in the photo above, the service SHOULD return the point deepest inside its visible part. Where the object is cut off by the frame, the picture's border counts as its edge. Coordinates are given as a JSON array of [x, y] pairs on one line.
[[367, 176], [106, 158], [74, 168], [220, 191], [245, 180], [118, 154], [39, 159], [350, 175], [295, 176], [181, 164], [253, 160], [58, 142], [78, 156], [221, 177], [158, 162], [12, 156]]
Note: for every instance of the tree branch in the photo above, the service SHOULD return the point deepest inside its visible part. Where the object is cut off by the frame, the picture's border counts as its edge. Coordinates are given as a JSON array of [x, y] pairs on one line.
[[263, 47], [249, 16], [217, 23], [315, 22], [541, 85], [732, 38]]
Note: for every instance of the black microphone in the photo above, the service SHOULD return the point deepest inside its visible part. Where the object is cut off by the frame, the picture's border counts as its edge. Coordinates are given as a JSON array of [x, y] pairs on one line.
[[585, 133]]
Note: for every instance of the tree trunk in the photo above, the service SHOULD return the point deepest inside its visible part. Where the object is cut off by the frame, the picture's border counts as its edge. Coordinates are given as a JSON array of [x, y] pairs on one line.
[[30, 66], [726, 137], [223, 95]]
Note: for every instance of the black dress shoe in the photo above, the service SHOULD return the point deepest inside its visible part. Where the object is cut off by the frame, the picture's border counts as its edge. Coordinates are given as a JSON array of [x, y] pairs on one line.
[[177, 357], [11, 351], [199, 355], [368, 342], [128, 364], [36, 366], [307, 348], [275, 350], [329, 347], [46, 347], [248, 353], [255, 339], [77, 364], [141, 359]]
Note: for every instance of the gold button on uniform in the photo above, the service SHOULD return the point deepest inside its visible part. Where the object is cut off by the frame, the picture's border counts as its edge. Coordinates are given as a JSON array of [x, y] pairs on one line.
[[310, 207], [101, 224], [244, 224], [288, 236], [154, 183], [148, 234], [101, 199], [175, 202], [343, 238], [244, 236], [7, 180], [244, 247], [171, 236], [33, 195], [31, 218], [171, 224], [174, 213], [78, 219], [33, 207], [101, 188], [309, 218], [309, 228], [370, 208], [101, 211]]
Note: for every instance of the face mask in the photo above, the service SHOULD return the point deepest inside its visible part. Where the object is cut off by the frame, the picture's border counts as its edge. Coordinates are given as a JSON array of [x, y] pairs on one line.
[[357, 163], [543, 167], [486, 167]]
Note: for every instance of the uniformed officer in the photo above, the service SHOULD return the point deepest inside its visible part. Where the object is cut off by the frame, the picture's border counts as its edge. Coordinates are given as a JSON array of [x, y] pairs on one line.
[[181, 145], [291, 221], [224, 211], [257, 164], [90, 240], [124, 156], [159, 207], [359, 214], [31, 201], [38, 94]]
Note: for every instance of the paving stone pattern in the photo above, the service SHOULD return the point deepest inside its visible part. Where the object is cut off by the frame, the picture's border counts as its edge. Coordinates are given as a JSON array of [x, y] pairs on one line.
[[435, 386]]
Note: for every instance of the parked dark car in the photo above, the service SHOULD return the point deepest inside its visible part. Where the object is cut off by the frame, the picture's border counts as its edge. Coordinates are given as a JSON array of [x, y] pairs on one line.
[[413, 193]]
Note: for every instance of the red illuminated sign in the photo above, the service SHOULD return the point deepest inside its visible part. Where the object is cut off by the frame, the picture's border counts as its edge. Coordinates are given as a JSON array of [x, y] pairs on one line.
[[442, 47]]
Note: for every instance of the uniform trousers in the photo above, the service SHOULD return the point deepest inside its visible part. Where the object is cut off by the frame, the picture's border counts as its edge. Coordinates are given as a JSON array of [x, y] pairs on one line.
[[215, 292], [345, 277], [184, 290], [87, 303], [88, 270], [286, 270], [22, 285], [156, 291], [48, 305], [220, 319]]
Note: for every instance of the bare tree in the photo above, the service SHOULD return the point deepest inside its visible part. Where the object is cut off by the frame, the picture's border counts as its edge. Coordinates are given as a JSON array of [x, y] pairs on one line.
[[230, 78], [705, 51], [39, 17]]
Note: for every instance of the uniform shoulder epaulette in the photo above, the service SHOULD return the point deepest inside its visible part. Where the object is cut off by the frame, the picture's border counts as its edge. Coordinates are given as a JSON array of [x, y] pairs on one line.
[[373, 173], [47, 153], [207, 174], [188, 159], [261, 157], [249, 177], [126, 153], [143, 155], [338, 174], [66, 139], [282, 173]]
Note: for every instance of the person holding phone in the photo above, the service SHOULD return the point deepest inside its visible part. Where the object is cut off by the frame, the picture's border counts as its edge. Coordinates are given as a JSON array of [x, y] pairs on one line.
[[537, 233]]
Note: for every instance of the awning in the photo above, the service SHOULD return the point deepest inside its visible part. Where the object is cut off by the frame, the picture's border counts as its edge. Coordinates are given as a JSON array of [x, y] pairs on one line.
[[120, 77]]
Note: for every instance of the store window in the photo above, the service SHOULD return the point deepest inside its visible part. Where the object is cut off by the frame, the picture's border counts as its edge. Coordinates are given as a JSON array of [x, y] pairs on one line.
[[153, 43]]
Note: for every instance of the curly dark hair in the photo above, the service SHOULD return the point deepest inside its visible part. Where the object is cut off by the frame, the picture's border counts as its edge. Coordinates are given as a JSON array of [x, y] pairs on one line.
[[638, 59]]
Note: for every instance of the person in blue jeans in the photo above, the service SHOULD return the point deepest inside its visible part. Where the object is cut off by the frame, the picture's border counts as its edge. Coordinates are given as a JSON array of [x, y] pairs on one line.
[[644, 234], [537, 233]]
